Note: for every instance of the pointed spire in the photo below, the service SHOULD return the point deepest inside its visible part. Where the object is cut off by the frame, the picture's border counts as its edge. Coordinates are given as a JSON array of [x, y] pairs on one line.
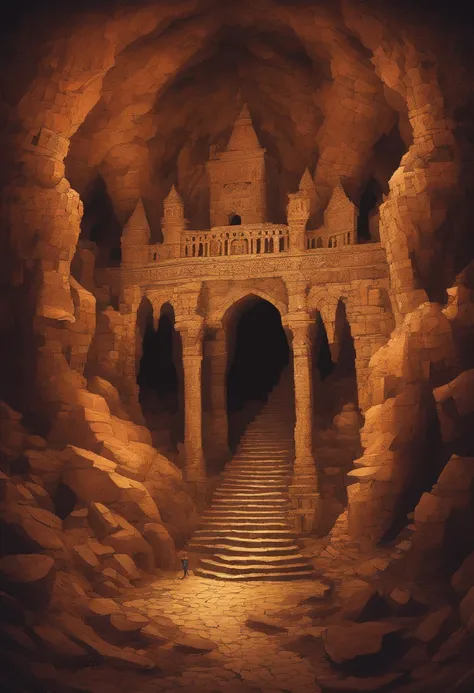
[[243, 135], [173, 196], [137, 227], [339, 194], [307, 182]]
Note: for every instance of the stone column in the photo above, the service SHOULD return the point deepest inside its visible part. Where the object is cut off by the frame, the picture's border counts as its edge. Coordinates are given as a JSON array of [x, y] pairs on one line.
[[191, 338], [216, 429], [304, 488]]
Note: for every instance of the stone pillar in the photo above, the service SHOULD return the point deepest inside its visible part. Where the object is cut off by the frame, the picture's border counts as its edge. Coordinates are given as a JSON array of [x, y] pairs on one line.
[[215, 409], [304, 488], [191, 331]]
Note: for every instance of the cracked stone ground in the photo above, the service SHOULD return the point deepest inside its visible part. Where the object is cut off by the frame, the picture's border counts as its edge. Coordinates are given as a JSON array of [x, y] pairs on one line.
[[250, 655]]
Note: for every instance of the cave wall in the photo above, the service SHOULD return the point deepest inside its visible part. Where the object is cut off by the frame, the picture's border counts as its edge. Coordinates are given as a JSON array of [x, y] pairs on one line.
[[134, 109]]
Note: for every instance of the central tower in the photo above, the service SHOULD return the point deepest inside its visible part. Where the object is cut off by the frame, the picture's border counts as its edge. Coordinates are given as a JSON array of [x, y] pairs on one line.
[[237, 177]]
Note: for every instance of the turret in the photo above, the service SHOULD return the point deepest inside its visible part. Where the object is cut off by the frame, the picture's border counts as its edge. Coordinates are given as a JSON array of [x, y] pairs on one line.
[[237, 177], [340, 217], [297, 215], [307, 184], [173, 222], [136, 238]]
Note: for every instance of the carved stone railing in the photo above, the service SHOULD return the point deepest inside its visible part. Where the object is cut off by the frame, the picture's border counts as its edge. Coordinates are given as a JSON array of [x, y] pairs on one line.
[[248, 239], [322, 238]]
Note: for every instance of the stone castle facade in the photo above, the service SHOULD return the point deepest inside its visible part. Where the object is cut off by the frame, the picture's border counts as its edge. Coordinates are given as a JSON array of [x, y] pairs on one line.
[[205, 274], [240, 181]]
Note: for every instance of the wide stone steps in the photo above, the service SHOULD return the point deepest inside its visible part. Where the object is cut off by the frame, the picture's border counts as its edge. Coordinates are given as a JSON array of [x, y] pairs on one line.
[[243, 504], [238, 521], [257, 526], [248, 487], [278, 552], [245, 514], [265, 569], [246, 477], [213, 574], [245, 534], [246, 464], [255, 544], [238, 494], [238, 535]]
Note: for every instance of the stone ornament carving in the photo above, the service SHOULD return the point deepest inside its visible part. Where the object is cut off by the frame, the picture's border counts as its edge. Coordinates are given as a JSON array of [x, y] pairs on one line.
[[346, 261], [237, 187]]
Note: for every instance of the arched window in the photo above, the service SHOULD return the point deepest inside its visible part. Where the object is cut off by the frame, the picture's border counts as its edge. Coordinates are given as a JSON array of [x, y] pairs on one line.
[[319, 242], [235, 220], [330, 243]]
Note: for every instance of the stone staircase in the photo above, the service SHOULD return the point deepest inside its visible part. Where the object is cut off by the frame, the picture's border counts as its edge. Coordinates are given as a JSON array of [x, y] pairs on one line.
[[245, 534]]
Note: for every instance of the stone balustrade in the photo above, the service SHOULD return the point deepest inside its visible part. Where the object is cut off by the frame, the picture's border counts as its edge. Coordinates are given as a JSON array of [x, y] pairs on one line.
[[322, 238], [248, 239]]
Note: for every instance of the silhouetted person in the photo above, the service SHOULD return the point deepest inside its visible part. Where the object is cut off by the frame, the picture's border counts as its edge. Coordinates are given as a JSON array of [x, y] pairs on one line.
[[184, 562]]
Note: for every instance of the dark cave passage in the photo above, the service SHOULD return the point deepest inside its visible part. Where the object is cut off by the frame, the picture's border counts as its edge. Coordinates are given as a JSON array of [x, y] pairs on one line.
[[160, 380], [258, 354]]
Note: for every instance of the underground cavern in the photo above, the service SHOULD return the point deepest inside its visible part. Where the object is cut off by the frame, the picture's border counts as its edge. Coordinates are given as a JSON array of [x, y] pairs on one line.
[[237, 328]]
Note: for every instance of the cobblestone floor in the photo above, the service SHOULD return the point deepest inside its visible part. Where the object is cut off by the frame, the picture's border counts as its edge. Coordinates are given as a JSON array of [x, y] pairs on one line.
[[245, 659]]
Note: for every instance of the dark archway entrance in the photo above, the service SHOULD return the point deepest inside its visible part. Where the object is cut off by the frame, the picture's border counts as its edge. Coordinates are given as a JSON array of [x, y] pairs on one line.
[[258, 353], [235, 220], [160, 380]]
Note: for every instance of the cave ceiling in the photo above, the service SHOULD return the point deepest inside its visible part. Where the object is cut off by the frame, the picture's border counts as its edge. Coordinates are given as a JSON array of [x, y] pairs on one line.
[[176, 89]]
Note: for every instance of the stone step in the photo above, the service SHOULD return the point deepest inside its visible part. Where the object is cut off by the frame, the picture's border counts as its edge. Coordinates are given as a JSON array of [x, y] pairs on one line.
[[211, 547], [255, 567], [257, 467], [252, 494], [231, 524], [229, 513], [269, 433], [264, 464], [249, 543], [233, 486], [267, 577], [259, 444], [245, 525], [275, 425], [261, 461], [234, 521], [245, 475], [264, 452], [257, 476], [243, 504], [262, 559], [231, 489], [236, 493], [254, 535]]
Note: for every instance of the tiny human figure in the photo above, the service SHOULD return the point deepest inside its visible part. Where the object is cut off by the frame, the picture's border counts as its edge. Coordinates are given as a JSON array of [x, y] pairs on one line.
[[184, 562]]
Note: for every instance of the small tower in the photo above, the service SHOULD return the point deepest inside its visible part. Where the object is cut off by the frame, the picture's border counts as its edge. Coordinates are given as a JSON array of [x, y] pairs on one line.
[[297, 217], [136, 238], [307, 184], [340, 217], [237, 177], [173, 222]]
